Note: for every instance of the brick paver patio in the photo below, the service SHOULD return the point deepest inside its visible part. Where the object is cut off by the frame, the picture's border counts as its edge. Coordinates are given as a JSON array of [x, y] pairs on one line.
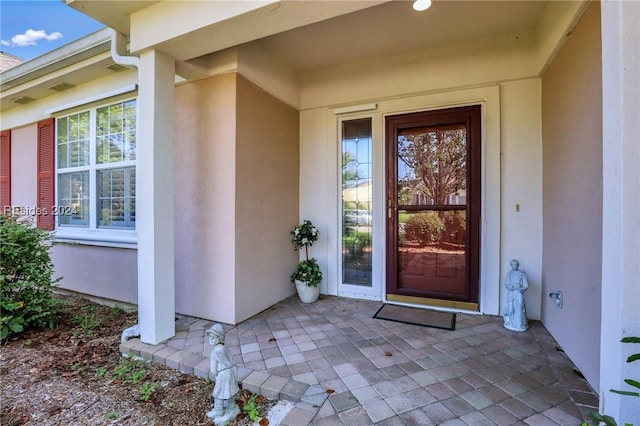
[[341, 366]]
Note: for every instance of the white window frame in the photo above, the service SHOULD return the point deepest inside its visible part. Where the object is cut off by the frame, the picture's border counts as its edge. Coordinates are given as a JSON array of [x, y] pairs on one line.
[[374, 292], [93, 234]]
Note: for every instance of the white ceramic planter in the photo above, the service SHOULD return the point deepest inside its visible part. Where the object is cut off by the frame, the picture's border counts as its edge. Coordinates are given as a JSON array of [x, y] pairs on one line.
[[306, 293]]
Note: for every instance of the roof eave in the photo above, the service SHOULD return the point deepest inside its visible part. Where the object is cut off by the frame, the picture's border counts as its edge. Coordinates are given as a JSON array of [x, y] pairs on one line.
[[69, 54]]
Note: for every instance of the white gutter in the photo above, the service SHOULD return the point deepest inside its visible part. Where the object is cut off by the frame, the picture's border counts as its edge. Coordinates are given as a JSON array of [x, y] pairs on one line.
[[119, 51]]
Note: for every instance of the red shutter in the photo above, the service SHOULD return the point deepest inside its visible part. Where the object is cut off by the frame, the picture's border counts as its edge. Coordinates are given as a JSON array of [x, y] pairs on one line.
[[5, 171], [46, 174]]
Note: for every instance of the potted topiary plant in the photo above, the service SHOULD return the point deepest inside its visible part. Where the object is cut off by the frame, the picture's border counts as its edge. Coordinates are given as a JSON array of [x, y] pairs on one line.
[[307, 275]]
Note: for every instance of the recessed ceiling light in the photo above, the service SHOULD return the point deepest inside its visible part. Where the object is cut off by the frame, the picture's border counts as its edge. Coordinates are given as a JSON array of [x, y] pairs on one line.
[[420, 5]]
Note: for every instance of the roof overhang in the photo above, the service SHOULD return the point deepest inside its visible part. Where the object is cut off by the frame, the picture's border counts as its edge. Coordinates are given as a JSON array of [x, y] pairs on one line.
[[114, 14], [190, 29], [71, 65], [307, 36]]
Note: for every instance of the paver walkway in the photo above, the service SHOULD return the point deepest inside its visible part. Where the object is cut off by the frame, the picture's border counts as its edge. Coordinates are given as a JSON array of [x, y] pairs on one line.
[[341, 366]]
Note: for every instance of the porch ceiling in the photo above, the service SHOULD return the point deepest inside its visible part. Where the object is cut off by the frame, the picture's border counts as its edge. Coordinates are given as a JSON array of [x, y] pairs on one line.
[[342, 32], [114, 14], [392, 27], [345, 31]]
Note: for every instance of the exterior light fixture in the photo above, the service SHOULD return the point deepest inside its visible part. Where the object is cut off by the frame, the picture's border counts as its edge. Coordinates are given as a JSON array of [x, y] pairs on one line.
[[420, 5]]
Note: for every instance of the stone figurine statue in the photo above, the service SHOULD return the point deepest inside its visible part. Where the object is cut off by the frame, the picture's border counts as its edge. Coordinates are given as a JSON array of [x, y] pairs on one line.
[[515, 312], [226, 379]]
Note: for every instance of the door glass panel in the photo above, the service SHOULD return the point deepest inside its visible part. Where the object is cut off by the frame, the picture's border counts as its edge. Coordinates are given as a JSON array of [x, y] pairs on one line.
[[432, 166], [431, 251], [432, 183], [433, 205], [357, 174]]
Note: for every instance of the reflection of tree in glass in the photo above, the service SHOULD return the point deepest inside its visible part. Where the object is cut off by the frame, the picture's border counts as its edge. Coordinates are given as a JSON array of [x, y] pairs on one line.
[[116, 132], [437, 159], [349, 168], [404, 195], [424, 228], [455, 226], [72, 139]]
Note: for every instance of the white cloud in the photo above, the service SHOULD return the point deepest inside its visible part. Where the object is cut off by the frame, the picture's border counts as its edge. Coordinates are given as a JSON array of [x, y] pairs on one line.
[[31, 38]]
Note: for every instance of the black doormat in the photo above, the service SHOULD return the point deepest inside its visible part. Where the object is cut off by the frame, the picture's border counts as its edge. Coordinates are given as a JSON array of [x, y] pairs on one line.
[[417, 316]]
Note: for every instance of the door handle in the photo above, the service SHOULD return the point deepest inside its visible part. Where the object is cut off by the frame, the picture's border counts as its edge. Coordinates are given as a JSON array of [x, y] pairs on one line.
[[390, 209]]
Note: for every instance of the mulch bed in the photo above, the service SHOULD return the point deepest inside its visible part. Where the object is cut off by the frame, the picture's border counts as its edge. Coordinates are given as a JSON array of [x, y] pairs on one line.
[[74, 374]]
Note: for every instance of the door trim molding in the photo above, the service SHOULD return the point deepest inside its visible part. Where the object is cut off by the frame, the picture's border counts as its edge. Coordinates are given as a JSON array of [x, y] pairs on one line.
[[490, 233], [469, 116], [318, 144]]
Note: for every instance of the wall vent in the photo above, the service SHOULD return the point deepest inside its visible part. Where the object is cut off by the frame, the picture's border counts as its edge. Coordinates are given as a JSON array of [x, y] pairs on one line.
[[22, 100], [114, 67], [61, 86]]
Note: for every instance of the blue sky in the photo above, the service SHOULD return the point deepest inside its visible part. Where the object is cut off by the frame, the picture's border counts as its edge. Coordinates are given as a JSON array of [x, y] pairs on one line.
[[31, 28]]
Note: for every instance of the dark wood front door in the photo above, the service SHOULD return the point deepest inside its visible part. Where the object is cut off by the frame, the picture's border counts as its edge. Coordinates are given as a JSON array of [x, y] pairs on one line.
[[433, 207]]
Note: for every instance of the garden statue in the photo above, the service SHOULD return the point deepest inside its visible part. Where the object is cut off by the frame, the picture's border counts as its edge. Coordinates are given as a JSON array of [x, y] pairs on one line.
[[226, 379], [515, 313]]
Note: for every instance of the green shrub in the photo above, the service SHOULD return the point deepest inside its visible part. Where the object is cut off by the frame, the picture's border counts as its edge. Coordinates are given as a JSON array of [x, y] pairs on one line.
[[355, 242], [608, 420], [308, 271], [455, 226], [425, 228], [26, 283]]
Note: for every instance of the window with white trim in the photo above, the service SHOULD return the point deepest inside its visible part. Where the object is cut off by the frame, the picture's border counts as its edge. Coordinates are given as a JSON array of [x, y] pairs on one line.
[[96, 168]]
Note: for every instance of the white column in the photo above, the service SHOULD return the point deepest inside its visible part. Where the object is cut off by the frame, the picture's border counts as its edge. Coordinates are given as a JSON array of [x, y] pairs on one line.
[[154, 192], [621, 206]]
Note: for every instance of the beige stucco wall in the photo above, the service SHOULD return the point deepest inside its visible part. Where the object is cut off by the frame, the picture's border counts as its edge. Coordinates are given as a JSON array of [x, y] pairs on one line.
[[214, 160], [521, 185], [235, 172], [318, 198], [266, 71], [24, 166], [205, 223], [103, 271], [266, 196], [572, 188], [107, 272], [621, 198], [512, 155], [236, 157]]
